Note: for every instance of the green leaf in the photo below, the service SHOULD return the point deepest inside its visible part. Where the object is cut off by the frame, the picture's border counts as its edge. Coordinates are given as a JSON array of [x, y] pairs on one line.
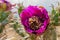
[[33, 37], [3, 16], [15, 26], [22, 34], [20, 9], [3, 20], [53, 11], [56, 18], [1, 28]]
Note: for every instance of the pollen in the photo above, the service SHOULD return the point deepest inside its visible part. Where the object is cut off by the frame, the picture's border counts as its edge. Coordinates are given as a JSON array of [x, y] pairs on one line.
[[34, 23]]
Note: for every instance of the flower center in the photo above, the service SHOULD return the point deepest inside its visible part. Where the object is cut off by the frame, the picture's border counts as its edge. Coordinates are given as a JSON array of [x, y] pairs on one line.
[[34, 23]]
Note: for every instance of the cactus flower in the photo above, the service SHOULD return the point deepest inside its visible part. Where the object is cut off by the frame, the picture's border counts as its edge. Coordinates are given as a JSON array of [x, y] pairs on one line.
[[35, 19], [6, 5]]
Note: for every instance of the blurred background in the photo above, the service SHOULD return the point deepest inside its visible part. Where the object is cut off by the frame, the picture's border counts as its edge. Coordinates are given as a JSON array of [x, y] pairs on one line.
[[45, 3], [10, 22]]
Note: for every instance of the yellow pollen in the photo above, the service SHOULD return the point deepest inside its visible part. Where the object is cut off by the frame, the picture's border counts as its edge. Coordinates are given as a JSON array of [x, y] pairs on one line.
[[41, 7]]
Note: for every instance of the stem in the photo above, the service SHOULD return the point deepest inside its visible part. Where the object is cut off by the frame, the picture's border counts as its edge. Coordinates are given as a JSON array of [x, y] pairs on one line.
[[34, 37]]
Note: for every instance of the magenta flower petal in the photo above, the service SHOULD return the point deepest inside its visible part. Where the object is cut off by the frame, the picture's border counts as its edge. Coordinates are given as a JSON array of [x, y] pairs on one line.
[[36, 13]]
